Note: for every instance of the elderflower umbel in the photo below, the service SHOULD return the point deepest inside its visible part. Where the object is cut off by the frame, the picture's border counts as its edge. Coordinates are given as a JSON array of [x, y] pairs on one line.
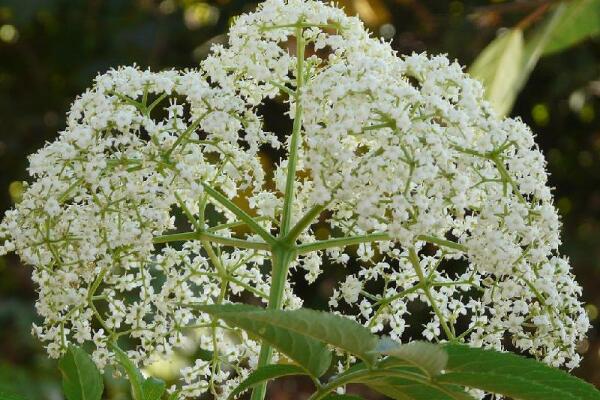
[[448, 203]]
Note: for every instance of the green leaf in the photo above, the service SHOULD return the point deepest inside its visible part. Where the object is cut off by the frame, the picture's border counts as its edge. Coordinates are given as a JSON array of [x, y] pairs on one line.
[[498, 67], [141, 389], [512, 375], [534, 47], [506, 63], [340, 332], [265, 374], [401, 389], [428, 357], [401, 382], [81, 379], [133, 374], [153, 388], [273, 328], [301, 334], [580, 21]]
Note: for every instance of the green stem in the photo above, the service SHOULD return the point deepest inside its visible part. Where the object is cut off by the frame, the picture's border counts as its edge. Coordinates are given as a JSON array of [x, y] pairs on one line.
[[372, 237], [507, 178], [342, 242], [295, 139], [233, 242], [230, 225], [304, 223], [241, 214], [281, 260], [414, 259], [384, 302], [284, 253], [185, 135]]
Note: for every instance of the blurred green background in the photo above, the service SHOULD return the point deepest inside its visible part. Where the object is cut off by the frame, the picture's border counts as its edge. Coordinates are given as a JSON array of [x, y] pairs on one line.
[[50, 50]]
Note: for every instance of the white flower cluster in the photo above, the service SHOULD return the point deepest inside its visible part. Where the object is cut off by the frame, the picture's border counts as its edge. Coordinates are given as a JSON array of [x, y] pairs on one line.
[[448, 204], [137, 147]]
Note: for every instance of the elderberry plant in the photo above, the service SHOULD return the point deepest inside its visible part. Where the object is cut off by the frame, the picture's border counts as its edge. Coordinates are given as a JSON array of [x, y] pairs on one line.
[[438, 201]]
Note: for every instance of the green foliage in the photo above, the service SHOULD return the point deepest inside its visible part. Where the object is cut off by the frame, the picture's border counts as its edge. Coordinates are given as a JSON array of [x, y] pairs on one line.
[[415, 371], [430, 358], [81, 378], [397, 379], [141, 389], [153, 388], [499, 69], [402, 389], [512, 375], [340, 332], [506, 63], [580, 21], [264, 374], [300, 334], [275, 328]]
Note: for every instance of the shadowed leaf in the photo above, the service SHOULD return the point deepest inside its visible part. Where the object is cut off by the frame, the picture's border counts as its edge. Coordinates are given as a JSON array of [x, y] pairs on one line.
[[512, 375], [581, 20], [80, 376], [265, 374]]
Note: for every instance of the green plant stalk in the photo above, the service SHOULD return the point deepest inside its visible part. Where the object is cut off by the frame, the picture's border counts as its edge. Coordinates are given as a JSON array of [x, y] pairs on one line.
[[281, 259], [372, 237], [241, 214], [414, 259], [295, 139], [225, 241], [284, 252]]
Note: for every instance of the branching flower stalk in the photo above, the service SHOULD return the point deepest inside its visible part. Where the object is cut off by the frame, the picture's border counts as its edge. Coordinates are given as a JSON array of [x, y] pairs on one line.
[[157, 198]]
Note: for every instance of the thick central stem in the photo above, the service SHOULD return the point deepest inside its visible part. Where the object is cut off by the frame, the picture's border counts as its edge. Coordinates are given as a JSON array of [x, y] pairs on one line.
[[281, 259], [288, 200], [284, 253]]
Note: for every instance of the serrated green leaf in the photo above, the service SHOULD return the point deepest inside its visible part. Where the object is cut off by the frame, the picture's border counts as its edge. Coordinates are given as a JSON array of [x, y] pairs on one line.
[[338, 331], [265, 374], [498, 67], [400, 389], [428, 357], [80, 376], [153, 388], [308, 352], [401, 382], [512, 375], [580, 21], [300, 334]]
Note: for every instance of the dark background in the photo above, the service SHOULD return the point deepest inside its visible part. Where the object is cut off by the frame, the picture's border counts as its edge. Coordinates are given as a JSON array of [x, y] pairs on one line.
[[50, 50]]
